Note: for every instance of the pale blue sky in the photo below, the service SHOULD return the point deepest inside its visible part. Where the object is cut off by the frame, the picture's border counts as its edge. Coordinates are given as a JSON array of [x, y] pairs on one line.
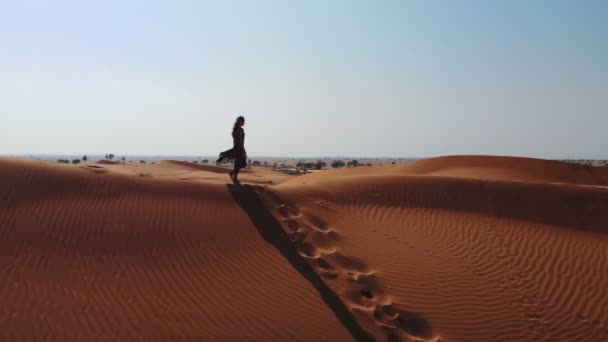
[[313, 78]]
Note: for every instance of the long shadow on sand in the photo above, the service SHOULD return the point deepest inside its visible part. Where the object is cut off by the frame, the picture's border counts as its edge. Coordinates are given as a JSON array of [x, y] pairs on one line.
[[270, 229]]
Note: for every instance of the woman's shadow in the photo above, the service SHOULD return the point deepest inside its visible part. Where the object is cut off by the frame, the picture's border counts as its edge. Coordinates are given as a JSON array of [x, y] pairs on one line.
[[271, 231]]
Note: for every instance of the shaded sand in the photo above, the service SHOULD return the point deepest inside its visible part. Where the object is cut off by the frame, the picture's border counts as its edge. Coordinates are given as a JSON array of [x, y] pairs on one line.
[[456, 248]]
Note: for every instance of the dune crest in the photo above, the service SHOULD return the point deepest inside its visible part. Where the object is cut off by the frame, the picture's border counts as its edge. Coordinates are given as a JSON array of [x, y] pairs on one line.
[[510, 169]]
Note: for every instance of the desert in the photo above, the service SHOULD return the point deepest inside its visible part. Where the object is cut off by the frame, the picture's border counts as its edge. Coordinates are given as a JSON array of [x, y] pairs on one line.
[[453, 248]]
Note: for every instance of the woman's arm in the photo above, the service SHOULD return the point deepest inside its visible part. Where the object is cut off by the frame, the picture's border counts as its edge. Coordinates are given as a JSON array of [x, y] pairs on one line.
[[240, 139]]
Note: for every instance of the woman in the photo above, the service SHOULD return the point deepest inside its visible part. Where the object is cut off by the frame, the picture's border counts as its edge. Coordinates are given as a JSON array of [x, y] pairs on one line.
[[236, 154]]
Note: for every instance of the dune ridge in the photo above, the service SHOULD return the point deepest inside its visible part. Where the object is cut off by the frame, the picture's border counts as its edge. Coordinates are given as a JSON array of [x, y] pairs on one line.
[[509, 168]]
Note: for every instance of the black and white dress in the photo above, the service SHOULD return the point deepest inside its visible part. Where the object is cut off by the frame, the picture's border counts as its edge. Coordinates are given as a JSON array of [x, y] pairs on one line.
[[237, 153]]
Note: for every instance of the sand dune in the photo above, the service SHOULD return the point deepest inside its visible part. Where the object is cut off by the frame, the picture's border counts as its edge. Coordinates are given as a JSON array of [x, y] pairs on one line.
[[464, 248], [510, 169], [101, 256]]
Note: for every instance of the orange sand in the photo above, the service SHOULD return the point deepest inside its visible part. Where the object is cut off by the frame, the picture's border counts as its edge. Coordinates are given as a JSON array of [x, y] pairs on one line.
[[462, 248]]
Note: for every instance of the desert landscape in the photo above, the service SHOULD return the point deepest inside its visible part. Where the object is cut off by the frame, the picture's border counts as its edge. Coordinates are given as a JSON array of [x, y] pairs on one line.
[[455, 248]]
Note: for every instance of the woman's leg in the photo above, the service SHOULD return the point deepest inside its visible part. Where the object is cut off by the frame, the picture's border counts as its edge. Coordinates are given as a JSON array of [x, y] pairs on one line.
[[236, 173], [233, 174]]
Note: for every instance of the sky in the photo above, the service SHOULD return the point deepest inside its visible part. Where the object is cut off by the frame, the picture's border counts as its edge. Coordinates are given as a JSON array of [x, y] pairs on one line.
[[312, 78]]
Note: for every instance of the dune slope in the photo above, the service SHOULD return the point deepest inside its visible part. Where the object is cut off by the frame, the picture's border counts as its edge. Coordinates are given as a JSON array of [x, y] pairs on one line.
[[89, 254], [462, 248], [461, 258]]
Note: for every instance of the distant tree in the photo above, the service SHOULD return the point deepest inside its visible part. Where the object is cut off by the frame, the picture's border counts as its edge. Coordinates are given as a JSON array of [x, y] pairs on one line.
[[309, 165], [195, 162], [249, 161], [256, 162], [107, 158], [393, 163], [319, 165], [110, 156], [265, 163], [274, 166], [323, 164], [369, 164], [84, 158], [142, 161], [123, 160], [354, 163], [282, 165], [300, 164], [76, 161], [205, 161], [337, 163], [63, 161]]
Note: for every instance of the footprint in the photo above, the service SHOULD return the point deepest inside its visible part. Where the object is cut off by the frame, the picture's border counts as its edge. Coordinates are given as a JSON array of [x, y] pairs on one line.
[[413, 325], [378, 314], [297, 236], [307, 250], [326, 229], [357, 300], [389, 311], [322, 263], [283, 211], [366, 293], [359, 287], [269, 195], [321, 240], [317, 223], [292, 224], [286, 211]]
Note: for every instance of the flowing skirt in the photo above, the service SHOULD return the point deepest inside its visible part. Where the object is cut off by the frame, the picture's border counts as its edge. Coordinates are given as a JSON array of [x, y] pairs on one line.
[[233, 156]]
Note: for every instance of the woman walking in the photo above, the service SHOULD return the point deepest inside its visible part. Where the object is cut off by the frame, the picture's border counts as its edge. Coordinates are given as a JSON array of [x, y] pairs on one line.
[[236, 154]]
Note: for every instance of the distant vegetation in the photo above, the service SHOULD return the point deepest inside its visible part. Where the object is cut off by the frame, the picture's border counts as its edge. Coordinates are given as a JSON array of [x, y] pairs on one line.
[[257, 163], [205, 161], [84, 158], [338, 163], [63, 161], [76, 161]]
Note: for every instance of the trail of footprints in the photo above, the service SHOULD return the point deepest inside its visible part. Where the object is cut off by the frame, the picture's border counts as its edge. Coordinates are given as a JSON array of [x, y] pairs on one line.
[[361, 289]]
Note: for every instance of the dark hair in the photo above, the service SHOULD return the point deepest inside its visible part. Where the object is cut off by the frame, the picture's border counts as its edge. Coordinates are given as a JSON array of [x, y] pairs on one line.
[[239, 119]]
